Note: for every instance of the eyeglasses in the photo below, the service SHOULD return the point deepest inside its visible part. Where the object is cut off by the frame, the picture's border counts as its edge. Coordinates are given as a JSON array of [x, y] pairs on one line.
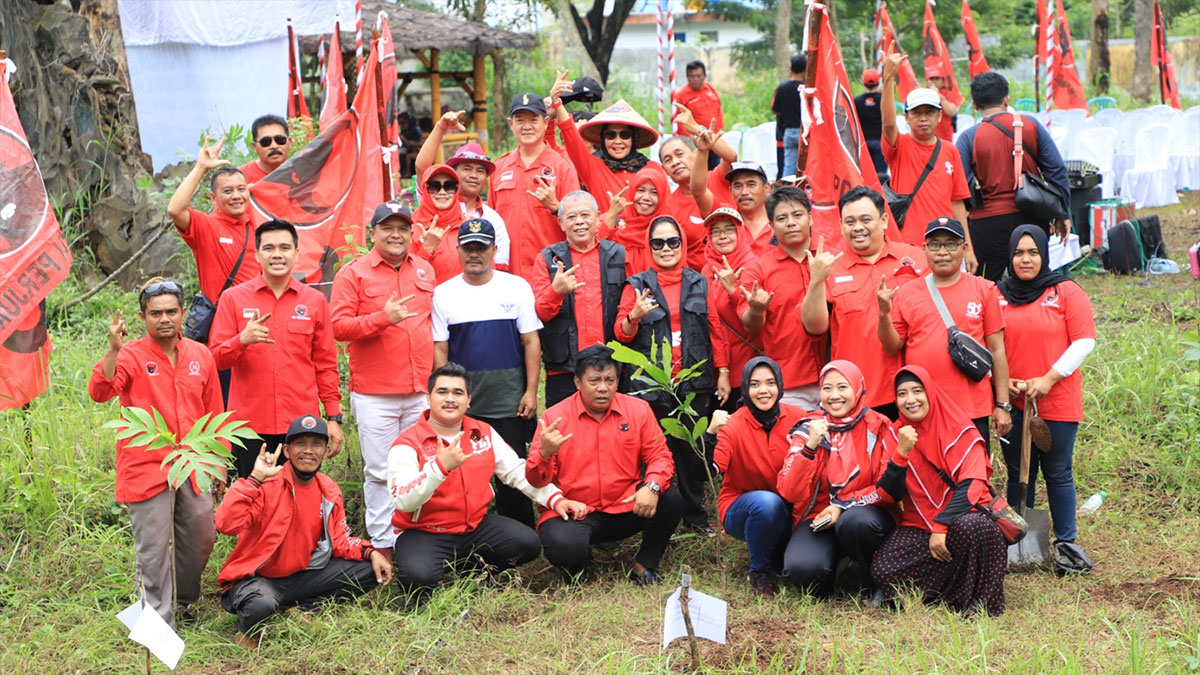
[[670, 242], [164, 287], [614, 134], [934, 246], [435, 186], [279, 139]]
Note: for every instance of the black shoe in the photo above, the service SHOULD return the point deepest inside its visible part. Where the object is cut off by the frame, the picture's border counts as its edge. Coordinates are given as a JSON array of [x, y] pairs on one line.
[[648, 577], [702, 528], [762, 583], [878, 601], [185, 616], [607, 545]]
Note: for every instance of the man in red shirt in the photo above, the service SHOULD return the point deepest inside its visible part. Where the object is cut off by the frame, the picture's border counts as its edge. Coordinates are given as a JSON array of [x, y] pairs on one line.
[[773, 286], [943, 190], [166, 372], [272, 144], [293, 547], [606, 450], [909, 321], [381, 306], [527, 184], [747, 191], [577, 287], [701, 98], [841, 296], [937, 80], [677, 154], [273, 333]]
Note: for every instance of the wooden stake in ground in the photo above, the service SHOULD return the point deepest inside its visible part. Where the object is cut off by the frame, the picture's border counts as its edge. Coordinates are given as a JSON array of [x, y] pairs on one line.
[[686, 583]]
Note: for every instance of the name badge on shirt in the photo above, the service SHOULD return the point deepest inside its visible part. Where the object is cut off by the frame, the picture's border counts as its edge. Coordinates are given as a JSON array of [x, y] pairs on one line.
[[225, 240], [506, 176], [250, 313], [842, 280]]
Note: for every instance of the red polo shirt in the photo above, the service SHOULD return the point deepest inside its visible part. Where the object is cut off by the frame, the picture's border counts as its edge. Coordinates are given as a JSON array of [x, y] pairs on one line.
[[274, 383], [216, 241], [850, 291], [589, 298], [531, 226], [252, 171], [705, 105], [799, 354], [385, 357], [945, 183]]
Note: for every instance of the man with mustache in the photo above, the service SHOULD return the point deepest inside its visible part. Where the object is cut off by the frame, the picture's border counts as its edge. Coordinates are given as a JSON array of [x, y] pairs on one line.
[[272, 144]]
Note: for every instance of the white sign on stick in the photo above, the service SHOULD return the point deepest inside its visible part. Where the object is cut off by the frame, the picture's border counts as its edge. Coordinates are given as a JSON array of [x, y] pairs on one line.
[[148, 629], [708, 617]]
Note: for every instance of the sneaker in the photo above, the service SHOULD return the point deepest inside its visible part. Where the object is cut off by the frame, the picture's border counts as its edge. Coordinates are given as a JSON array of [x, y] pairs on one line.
[[762, 583], [185, 616], [648, 577], [702, 528]]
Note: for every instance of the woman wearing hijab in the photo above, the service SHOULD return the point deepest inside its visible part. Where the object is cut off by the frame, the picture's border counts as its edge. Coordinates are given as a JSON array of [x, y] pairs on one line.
[[437, 219], [840, 475], [628, 220], [1051, 330], [943, 547], [669, 302], [726, 253], [750, 447]]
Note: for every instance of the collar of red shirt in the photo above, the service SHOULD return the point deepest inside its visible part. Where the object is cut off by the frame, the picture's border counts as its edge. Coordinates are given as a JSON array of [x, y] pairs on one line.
[[781, 254], [852, 259], [226, 218], [375, 260], [578, 409], [260, 282]]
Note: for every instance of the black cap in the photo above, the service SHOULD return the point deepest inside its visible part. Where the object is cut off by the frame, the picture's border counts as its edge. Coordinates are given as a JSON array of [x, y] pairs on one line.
[[388, 210], [476, 230], [585, 89], [945, 224], [527, 101], [752, 167], [307, 424]]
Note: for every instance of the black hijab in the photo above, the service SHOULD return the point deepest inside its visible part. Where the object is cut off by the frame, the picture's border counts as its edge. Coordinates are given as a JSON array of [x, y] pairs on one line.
[[1019, 292], [767, 418], [633, 162]]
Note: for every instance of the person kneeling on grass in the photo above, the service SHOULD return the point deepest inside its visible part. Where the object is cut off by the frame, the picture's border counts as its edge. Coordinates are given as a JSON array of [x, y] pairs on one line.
[[293, 545], [439, 475]]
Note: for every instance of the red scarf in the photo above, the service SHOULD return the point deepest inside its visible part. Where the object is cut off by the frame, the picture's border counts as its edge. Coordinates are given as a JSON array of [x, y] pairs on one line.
[[740, 257], [636, 233], [668, 276], [447, 218], [852, 458]]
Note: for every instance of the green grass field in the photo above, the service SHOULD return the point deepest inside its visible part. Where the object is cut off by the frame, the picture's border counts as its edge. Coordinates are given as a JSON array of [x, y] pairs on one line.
[[67, 562]]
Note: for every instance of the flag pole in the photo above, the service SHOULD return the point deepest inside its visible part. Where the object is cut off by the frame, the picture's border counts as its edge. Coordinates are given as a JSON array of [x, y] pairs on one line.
[[380, 106], [810, 81]]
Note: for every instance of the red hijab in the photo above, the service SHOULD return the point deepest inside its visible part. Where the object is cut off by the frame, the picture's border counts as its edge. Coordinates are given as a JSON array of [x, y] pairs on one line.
[[636, 233], [740, 257], [671, 275], [449, 217], [852, 455]]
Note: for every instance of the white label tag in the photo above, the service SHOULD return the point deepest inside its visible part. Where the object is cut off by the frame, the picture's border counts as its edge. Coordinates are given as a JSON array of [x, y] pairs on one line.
[[225, 240], [842, 280]]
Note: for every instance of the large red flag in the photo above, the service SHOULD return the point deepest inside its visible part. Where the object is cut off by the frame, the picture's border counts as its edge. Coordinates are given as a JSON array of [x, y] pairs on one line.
[[937, 57], [975, 60], [1068, 90], [34, 258], [297, 106], [334, 82], [387, 64], [885, 38], [838, 158], [1160, 57], [328, 189]]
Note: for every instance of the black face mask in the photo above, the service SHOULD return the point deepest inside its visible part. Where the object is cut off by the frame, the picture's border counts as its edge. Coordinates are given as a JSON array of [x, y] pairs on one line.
[[305, 476]]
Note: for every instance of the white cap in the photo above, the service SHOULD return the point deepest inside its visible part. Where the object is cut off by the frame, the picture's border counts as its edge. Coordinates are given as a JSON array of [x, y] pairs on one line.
[[921, 96]]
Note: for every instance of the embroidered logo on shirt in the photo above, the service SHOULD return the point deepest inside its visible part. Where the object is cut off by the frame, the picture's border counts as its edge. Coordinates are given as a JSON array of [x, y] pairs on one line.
[[301, 310], [194, 368], [624, 426], [1051, 300], [421, 274], [949, 168], [151, 368], [974, 310]]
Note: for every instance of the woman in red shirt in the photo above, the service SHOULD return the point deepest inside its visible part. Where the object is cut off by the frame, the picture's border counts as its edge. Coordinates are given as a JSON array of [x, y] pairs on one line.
[[840, 476], [437, 241], [1051, 330], [647, 195], [942, 547], [727, 252]]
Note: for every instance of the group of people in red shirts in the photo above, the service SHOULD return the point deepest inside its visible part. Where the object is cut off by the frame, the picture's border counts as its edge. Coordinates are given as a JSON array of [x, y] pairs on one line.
[[839, 422]]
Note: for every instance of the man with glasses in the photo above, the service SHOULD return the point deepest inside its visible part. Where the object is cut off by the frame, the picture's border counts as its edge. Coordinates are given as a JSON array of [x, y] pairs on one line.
[[166, 372], [272, 144], [909, 321]]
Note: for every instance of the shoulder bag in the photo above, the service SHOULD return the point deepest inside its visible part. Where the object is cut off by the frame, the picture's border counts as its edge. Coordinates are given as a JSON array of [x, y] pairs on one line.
[[1012, 525], [970, 357], [1034, 196], [899, 203], [202, 309]]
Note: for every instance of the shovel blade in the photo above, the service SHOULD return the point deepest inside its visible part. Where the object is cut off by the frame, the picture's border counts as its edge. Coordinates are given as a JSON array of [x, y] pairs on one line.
[[1033, 551]]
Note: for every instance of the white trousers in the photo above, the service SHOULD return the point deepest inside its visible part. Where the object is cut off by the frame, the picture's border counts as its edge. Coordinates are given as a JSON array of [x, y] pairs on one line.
[[381, 419], [807, 397]]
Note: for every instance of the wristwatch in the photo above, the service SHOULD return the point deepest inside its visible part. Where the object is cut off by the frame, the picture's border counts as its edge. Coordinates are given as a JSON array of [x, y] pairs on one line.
[[654, 487], [1006, 406], [334, 418]]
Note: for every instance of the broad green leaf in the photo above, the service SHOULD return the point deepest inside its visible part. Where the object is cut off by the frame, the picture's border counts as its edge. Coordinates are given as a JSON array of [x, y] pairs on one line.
[[699, 429]]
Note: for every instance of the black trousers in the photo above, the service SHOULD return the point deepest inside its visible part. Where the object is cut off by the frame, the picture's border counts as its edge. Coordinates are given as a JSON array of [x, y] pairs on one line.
[[566, 543], [559, 387], [811, 558], [989, 238], [421, 558], [245, 457], [690, 475], [256, 598], [224, 377], [511, 502]]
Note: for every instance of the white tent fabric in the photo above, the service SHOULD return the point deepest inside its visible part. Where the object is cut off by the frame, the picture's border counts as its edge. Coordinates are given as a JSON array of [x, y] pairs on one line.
[[1097, 144], [1185, 151], [1150, 182], [226, 23]]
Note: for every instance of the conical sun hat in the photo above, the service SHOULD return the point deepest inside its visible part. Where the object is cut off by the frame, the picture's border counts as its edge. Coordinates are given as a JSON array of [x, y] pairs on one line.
[[620, 112]]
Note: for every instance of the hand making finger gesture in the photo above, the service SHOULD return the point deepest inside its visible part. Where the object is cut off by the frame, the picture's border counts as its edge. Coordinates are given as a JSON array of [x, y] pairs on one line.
[[645, 502], [209, 156], [684, 118], [117, 332], [544, 192], [551, 438], [885, 296], [432, 235], [266, 464], [821, 263], [707, 140], [395, 308], [562, 85], [450, 455], [256, 331], [564, 280], [643, 303], [727, 276], [758, 298], [891, 63], [452, 121]]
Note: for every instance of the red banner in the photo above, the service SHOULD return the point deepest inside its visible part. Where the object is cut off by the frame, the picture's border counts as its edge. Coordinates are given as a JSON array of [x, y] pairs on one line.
[[976, 62], [34, 258], [1160, 58], [387, 64], [937, 57], [838, 158], [297, 106], [334, 84], [1066, 87], [885, 38]]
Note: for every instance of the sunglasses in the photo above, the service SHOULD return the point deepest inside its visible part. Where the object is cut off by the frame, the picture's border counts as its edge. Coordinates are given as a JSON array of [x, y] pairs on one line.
[[613, 134], [435, 186], [950, 246], [279, 139], [670, 242], [165, 287]]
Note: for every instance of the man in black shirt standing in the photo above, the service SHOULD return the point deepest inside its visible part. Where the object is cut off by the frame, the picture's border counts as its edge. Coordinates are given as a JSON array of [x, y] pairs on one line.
[[785, 103], [870, 120]]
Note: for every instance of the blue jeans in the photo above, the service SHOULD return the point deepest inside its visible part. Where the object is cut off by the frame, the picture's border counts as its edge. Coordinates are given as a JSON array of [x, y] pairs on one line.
[[1057, 471], [763, 520], [791, 150]]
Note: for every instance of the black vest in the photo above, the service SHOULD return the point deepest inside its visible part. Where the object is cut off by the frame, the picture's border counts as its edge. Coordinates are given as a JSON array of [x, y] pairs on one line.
[[695, 341], [560, 335]]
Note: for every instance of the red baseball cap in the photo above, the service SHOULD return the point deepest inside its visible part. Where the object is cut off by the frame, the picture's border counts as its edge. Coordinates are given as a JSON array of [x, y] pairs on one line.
[[870, 77]]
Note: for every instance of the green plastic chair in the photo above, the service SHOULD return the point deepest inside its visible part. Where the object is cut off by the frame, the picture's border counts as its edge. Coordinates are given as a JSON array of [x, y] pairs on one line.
[[899, 108], [967, 109], [1101, 103], [1025, 105]]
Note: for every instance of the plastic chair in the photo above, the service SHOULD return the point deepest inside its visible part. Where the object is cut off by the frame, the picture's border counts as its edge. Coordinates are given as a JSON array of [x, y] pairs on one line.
[[1026, 105], [758, 145], [1109, 117], [1131, 122], [734, 139], [1185, 150], [1098, 145], [1102, 103], [1150, 182], [1062, 138], [1070, 118]]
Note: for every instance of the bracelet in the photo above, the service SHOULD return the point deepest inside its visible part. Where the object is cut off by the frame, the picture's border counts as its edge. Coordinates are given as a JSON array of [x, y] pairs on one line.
[[556, 105], [632, 321]]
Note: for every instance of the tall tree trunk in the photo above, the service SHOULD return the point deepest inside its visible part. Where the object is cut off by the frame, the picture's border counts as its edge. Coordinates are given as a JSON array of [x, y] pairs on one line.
[[1143, 30], [1099, 63], [783, 42]]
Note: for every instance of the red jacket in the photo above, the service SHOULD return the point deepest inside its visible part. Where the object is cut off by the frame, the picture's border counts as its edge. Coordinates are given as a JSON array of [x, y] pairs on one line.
[[602, 463], [259, 514], [429, 498], [750, 457]]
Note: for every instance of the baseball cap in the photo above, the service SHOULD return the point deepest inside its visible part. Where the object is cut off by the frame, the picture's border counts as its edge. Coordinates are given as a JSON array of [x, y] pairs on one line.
[[585, 89], [870, 77], [472, 152], [944, 224], [527, 101], [307, 424], [752, 167], [922, 96], [723, 212], [476, 230], [389, 209]]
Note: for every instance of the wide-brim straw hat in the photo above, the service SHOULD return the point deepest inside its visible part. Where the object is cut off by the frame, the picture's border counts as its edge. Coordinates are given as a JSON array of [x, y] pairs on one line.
[[620, 112]]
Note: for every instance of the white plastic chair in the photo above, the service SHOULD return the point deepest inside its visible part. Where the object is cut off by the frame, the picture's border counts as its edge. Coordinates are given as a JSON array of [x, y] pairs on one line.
[[1098, 144], [1185, 150], [758, 145], [734, 139], [1150, 182], [1071, 118], [1109, 117], [1062, 138], [1132, 122]]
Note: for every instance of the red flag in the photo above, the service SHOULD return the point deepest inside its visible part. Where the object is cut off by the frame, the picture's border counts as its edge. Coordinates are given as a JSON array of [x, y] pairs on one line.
[[297, 107], [885, 37], [976, 62], [838, 158], [34, 258], [334, 83], [1160, 57], [1068, 90], [387, 64], [937, 57], [328, 189]]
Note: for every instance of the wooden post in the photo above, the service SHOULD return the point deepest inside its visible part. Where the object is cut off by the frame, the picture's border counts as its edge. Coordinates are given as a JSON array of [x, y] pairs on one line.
[[687, 616], [380, 107], [479, 112], [810, 79], [435, 94]]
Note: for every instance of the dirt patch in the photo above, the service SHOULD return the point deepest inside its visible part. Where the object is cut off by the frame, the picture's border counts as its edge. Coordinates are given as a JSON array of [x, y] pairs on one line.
[[1146, 594]]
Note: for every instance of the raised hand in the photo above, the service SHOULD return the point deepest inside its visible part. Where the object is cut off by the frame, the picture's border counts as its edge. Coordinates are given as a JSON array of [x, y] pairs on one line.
[[821, 263], [432, 235], [551, 438], [685, 118], [908, 439], [564, 280], [728, 277], [265, 464], [117, 332], [892, 62], [395, 308], [569, 508], [450, 455], [562, 85], [817, 430], [642, 305], [719, 419], [255, 331], [885, 295], [209, 156], [544, 193], [707, 140], [616, 204], [758, 298], [452, 121]]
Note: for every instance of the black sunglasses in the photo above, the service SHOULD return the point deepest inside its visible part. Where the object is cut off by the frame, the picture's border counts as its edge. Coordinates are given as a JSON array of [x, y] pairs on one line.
[[613, 134], [279, 139], [435, 186], [165, 287], [670, 242]]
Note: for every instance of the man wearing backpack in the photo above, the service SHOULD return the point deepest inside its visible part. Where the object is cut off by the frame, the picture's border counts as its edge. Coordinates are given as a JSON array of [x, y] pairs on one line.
[[987, 153]]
